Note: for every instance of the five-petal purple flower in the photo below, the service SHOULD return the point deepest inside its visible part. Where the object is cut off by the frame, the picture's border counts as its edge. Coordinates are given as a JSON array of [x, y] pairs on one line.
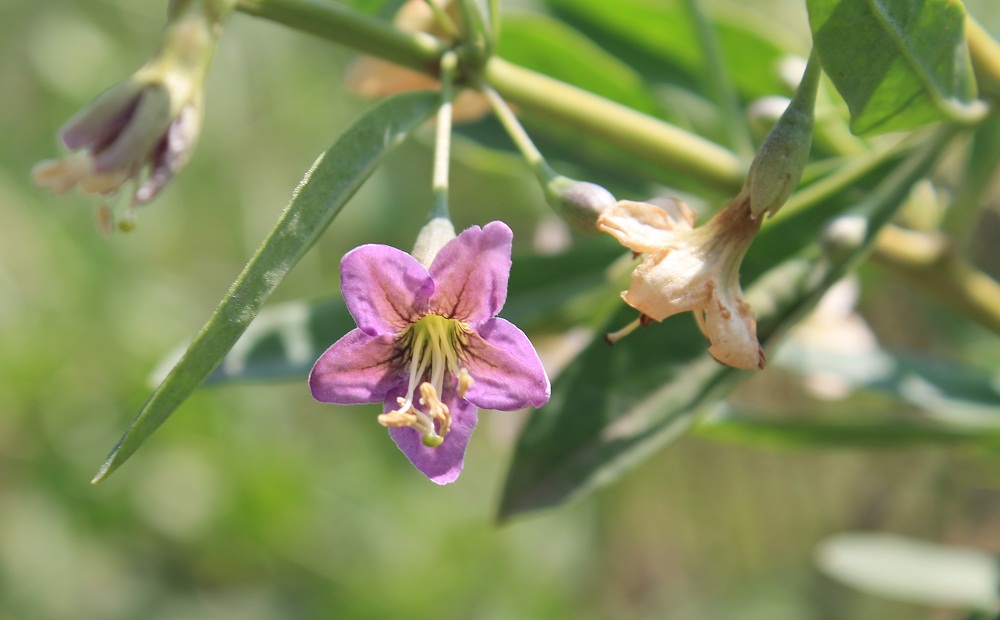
[[428, 344]]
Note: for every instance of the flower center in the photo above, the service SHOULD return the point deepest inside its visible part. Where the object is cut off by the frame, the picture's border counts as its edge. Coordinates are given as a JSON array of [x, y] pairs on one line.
[[433, 345]]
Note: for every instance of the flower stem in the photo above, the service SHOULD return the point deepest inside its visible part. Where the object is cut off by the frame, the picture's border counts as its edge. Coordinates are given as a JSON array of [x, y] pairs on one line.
[[442, 145], [521, 139]]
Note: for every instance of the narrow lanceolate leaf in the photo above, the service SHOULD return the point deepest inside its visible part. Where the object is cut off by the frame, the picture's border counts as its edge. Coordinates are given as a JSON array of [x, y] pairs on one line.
[[324, 190], [614, 406], [899, 64]]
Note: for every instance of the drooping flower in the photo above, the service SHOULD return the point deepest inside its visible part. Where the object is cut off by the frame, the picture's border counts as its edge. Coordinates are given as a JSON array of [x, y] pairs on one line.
[[430, 347], [138, 134], [374, 77], [691, 269]]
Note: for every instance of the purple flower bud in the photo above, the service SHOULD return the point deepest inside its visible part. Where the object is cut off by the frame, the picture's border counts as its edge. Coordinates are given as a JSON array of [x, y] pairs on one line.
[[138, 134]]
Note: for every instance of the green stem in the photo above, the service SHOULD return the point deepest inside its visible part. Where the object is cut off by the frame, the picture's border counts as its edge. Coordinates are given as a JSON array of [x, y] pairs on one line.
[[655, 140], [520, 137], [720, 81], [930, 262], [985, 52], [339, 22], [442, 146]]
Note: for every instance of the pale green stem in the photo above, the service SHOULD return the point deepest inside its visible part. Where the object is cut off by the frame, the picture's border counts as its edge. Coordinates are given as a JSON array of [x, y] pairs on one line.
[[985, 52], [719, 80], [930, 262], [653, 139], [521, 139], [442, 146], [646, 136]]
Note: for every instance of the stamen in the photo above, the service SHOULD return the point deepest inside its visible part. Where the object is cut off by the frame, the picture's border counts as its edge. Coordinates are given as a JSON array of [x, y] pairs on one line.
[[408, 415], [614, 337], [464, 382], [436, 409], [433, 345]]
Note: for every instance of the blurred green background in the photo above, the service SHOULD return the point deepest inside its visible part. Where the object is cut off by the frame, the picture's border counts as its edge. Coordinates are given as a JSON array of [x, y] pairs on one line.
[[254, 501]]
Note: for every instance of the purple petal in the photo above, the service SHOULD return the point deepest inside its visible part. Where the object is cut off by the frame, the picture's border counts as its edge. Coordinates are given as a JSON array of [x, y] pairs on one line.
[[385, 289], [133, 147], [443, 463], [171, 154], [505, 369], [358, 368], [471, 272], [96, 125]]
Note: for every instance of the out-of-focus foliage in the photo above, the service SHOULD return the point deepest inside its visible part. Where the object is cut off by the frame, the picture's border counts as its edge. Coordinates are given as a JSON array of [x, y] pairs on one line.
[[256, 502]]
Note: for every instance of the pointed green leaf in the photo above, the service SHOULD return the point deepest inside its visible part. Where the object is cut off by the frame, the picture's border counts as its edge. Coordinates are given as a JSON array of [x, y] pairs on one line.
[[324, 190], [899, 64], [613, 407]]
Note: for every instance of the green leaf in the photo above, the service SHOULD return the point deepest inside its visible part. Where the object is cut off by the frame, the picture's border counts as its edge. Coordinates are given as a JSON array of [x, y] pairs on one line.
[[931, 401], [324, 190], [948, 392], [899, 64], [641, 30], [286, 339], [732, 425], [613, 407], [913, 570]]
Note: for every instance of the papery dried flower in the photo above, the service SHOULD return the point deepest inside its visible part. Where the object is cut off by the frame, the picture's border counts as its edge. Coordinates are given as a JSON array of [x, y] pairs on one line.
[[691, 269], [428, 344], [138, 134]]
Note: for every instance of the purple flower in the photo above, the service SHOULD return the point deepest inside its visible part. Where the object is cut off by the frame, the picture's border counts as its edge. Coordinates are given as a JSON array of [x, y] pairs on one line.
[[137, 135], [428, 344]]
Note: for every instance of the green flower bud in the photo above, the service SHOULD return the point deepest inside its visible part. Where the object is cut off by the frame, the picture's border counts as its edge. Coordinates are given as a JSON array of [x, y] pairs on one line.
[[437, 232], [578, 202], [777, 168]]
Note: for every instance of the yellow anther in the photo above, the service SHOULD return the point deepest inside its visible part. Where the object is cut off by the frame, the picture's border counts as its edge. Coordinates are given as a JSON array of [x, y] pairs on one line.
[[436, 409], [464, 382]]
